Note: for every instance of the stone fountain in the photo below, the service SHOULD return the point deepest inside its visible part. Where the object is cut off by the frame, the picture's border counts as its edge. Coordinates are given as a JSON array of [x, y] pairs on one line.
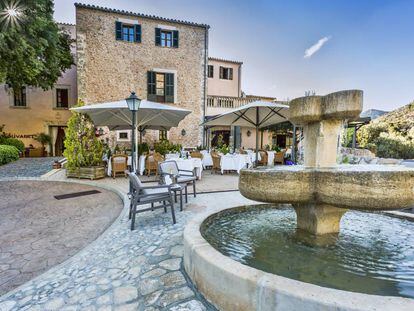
[[229, 251], [322, 191]]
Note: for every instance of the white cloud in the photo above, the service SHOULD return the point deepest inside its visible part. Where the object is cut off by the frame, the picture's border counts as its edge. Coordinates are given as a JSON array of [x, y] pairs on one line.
[[316, 47]]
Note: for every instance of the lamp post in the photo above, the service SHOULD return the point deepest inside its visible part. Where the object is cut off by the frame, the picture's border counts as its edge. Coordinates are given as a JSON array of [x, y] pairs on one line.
[[133, 103]]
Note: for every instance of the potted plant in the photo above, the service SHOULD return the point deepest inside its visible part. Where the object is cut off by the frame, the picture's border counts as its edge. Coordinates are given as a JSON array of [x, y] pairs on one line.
[[84, 150], [43, 139]]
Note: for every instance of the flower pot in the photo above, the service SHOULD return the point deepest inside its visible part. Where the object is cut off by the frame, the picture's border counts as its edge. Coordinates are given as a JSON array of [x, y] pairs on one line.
[[93, 172]]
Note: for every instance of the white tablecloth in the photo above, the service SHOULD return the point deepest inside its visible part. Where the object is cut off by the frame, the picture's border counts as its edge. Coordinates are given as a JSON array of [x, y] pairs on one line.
[[271, 158], [170, 156], [190, 165], [252, 156], [109, 172], [207, 160], [141, 165], [234, 162]]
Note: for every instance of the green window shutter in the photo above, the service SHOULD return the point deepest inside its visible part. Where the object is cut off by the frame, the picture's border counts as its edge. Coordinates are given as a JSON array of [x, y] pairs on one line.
[[151, 86], [157, 36], [118, 30], [169, 87], [230, 73], [175, 38], [137, 33]]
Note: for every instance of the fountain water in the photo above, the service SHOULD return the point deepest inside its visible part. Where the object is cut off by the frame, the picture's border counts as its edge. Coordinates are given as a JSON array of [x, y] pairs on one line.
[[313, 263]]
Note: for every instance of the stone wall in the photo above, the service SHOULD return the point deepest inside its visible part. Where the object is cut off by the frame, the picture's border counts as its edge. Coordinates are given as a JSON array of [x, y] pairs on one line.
[[109, 69]]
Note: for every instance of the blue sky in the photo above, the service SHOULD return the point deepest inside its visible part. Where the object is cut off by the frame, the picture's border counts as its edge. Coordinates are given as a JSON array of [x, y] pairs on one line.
[[363, 44]]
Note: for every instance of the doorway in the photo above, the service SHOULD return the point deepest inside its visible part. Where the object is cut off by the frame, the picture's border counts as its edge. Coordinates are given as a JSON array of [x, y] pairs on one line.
[[59, 142]]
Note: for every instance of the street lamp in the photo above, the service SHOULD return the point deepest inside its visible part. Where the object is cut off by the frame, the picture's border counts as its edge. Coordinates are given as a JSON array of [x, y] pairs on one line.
[[133, 103]]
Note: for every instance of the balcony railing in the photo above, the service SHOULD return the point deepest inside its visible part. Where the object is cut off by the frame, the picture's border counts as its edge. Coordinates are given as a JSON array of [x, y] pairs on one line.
[[229, 102]]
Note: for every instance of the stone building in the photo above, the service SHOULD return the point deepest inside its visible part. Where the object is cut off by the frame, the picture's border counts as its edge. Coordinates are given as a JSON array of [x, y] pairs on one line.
[[224, 93], [161, 59], [35, 111]]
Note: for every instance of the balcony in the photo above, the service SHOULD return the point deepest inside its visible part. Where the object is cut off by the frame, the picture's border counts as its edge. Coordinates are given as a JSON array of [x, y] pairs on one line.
[[220, 104]]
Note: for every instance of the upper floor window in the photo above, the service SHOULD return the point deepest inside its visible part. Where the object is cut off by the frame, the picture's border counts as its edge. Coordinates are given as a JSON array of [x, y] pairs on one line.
[[127, 32], [226, 73], [210, 71], [19, 99], [160, 87], [166, 38], [62, 98]]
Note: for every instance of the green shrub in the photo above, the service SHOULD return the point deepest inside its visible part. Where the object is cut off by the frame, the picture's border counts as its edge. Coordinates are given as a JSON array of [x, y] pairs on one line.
[[164, 146], [394, 147], [8, 154], [83, 148], [144, 147], [14, 142]]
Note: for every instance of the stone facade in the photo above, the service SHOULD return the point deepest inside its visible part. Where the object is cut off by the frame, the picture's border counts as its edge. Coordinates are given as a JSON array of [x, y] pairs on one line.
[[109, 69]]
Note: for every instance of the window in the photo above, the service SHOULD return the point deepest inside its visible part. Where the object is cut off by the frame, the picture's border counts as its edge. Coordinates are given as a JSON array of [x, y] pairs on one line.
[[20, 97], [166, 38], [210, 71], [123, 135], [162, 135], [160, 87], [128, 33], [226, 73], [62, 98]]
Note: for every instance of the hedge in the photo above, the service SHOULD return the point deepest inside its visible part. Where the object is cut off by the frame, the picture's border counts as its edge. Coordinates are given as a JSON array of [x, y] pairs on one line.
[[8, 154], [12, 142]]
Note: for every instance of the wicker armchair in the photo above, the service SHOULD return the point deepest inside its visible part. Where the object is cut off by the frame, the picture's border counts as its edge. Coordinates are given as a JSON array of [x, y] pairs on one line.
[[151, 163], [196, 154], [263, 157], [280, 157], [119, 163], [216, 162]]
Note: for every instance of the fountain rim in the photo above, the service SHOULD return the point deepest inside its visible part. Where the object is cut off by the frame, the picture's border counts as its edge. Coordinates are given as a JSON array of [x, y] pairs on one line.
[[229, 284]]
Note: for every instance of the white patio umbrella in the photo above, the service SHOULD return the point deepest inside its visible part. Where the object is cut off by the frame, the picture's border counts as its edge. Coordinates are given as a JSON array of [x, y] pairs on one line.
[[257, 114], [151, 115]]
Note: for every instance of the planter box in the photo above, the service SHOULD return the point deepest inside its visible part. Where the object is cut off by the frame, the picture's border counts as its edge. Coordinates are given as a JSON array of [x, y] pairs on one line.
[[94, 172]]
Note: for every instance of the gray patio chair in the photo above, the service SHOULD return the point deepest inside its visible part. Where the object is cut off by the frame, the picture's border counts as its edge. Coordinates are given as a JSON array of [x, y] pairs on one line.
[[181, 177], [142, 195]]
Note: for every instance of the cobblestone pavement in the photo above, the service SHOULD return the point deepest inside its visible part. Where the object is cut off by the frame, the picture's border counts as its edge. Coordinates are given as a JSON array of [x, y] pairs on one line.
[[38, 231], [124, 270], [27, 167]]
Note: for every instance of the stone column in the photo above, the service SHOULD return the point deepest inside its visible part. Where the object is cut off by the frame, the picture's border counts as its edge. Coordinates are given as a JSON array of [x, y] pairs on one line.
[[318, 218]]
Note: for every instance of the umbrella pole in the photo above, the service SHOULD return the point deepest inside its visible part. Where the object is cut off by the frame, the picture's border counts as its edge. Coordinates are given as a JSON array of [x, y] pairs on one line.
[[257, 136]]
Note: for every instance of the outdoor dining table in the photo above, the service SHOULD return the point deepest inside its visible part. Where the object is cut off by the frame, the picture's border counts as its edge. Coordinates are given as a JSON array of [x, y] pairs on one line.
[[270, 158], [234, 162]]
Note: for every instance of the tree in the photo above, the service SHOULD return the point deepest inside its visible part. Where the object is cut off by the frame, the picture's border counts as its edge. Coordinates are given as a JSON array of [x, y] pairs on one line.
[[83, 148], [33, 50]]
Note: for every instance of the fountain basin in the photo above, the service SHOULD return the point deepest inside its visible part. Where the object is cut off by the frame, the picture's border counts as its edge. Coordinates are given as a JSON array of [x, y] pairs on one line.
[[231, 285], [364, 187]]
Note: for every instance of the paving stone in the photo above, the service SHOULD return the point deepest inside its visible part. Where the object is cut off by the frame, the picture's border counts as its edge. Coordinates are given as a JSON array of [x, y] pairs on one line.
[[177, 251], [125, 294], [153, 273], [7, 305], [173, 279], [55, 304], [104, 299], [175, 295], [192, 305], [128, 307], [171, 264], [152, 298], [147, 286]]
